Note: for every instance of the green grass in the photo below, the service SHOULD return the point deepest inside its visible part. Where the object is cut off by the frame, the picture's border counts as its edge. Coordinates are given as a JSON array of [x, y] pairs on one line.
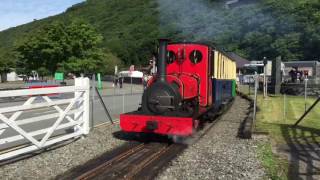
[[276, 115], [276, 168], [244, 89]]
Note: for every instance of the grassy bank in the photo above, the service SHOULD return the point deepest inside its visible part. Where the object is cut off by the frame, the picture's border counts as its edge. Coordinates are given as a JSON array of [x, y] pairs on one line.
[[276, 116], [276, 167]]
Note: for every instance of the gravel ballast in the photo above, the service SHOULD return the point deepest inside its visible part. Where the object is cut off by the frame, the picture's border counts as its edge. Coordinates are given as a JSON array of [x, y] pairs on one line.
[[220, 154], [48, 165]]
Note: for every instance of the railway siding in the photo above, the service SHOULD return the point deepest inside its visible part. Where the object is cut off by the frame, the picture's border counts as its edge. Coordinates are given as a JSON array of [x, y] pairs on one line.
[[220, 154]]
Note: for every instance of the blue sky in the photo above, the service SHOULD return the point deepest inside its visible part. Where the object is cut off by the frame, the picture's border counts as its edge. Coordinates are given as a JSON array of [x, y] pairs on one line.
[[17, 12]]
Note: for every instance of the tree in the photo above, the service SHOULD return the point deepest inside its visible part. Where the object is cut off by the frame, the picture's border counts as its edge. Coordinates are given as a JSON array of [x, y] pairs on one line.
[[70, 47], [6, 64], [253, 29]]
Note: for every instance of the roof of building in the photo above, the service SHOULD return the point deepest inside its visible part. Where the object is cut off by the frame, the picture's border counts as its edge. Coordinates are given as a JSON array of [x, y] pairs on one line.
[[301, 63], [239, 60]]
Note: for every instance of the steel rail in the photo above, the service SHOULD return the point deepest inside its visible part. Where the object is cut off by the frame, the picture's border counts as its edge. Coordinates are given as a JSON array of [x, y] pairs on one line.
[[141, 159], [147, 161], [93, 172]]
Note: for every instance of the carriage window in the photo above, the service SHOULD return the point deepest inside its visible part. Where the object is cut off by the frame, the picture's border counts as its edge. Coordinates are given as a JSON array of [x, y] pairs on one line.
[[171, 57], [195, 56]]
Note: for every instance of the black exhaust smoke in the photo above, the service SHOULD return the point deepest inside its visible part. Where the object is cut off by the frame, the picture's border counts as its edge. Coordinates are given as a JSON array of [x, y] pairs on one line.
[[162, 59]]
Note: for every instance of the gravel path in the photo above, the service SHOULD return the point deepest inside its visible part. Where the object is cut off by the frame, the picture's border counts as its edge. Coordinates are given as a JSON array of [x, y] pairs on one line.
[[219, 154], [49, 164]]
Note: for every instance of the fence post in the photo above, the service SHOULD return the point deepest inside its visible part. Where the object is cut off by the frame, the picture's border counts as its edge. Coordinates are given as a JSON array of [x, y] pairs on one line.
[[255, 98], [284, 107], [93, 85], [305, 94], [264, 82], [131, 82], [99, 81], [267, 80], [122, 102], [82, 85]]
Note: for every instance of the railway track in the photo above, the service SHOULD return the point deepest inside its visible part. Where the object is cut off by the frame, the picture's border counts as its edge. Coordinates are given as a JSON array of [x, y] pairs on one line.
[[136, 160], [132, 161]]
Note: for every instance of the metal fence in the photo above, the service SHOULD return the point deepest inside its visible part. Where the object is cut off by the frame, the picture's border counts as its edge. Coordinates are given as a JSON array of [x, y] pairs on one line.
[[288, 106], [117, 101], [297, 99]]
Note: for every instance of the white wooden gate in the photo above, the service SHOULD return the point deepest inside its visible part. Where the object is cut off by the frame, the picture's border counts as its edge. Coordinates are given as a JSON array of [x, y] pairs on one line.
[[70, 116]]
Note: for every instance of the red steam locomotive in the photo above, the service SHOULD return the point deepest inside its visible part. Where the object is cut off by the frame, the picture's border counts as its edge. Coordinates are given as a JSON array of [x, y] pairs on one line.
[[192, 79]]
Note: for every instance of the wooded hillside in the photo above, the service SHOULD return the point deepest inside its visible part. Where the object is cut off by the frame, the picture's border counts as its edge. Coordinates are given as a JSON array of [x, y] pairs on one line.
[[290, 28]]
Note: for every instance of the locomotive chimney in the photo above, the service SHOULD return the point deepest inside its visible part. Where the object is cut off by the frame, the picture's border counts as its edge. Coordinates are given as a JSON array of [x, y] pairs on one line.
[[162, 59]]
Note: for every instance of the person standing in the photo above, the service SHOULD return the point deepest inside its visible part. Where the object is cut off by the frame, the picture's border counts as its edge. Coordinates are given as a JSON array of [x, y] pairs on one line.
[[120, 82], [116, 80], [298, 78], [293, 74]]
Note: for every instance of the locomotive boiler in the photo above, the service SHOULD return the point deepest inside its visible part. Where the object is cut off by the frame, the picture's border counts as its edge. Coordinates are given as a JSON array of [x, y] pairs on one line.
[[192, 79], [173, 94]]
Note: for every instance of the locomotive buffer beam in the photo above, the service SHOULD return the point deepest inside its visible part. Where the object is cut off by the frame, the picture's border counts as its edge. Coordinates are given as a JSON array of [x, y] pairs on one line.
[[152, 125]]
